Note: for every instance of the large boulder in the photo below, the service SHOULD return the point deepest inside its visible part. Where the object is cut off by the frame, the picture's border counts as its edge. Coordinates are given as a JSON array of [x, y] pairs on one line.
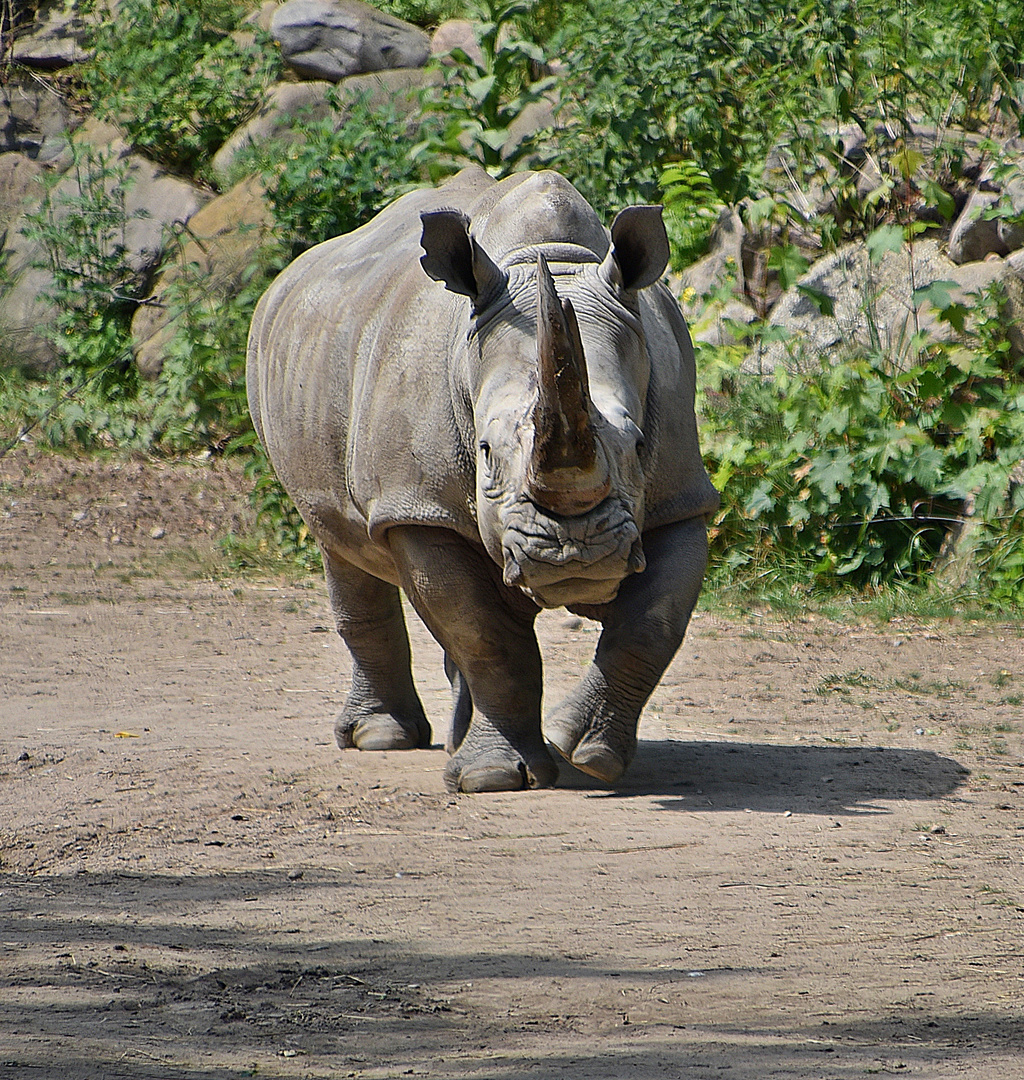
[[263, 16], [55, 40], [974, 235], [723, 263], [722, 323], [289, 105], [21, 186], [457, 34], [1013, 288], [154, 204], [34, 117], [224, 239], [331, 39], [854, 163], [872, 304]]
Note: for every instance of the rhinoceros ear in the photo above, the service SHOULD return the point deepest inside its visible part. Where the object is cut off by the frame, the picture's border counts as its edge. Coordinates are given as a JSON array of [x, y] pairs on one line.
[[639, 251], [453, 256]]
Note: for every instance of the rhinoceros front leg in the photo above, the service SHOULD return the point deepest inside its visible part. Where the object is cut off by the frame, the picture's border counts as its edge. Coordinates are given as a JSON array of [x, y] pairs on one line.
[[383, 710], [487, 633], [595, 728]]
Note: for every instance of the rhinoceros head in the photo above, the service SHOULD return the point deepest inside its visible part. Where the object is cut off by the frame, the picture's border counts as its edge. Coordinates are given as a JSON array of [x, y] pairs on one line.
[[556, 371]]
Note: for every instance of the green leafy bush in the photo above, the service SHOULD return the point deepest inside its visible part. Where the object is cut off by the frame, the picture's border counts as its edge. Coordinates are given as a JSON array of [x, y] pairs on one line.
[[854, 470], [479, 101], [423, 12], [342, 171], [81, 231], [691, 210], [654, 83], [172, 76]]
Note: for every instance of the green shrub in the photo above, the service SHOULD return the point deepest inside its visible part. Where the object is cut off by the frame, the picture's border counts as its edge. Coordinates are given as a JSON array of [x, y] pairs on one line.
[[342, 171], [654, 83], [479, 101], [82, 235], [171, 76], [427, 13], [753, 93], [691, 210], [854, 470]]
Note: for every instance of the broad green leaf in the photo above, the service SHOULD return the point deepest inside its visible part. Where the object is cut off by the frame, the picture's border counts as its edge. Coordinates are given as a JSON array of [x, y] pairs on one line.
[[480, 88], [956, 316], [938, 294], [908, 161], [495, 138], [883, 240], [759, 501], [789, 264], [937, 196], [820, 299]]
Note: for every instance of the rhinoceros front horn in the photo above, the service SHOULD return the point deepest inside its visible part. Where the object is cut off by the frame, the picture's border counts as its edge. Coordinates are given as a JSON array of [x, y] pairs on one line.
[[568, 472]]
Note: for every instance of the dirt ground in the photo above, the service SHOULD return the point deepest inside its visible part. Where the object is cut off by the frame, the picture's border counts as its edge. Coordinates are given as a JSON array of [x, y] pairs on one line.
[[814, 869]]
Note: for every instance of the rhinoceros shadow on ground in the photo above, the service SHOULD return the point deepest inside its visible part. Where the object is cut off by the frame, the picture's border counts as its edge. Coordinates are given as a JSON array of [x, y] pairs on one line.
[[833, 780]]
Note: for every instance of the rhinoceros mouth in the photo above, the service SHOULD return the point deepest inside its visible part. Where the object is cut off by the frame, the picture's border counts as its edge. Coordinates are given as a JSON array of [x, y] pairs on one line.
[[570, 560]]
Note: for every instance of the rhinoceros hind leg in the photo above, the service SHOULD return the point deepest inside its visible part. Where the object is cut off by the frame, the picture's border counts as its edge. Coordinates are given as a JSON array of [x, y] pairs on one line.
[[492, 657], [462, 706], [595, 728], [383, 710], [366, 723]]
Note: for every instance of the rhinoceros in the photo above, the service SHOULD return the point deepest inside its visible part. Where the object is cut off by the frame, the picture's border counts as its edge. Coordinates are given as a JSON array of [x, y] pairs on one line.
[[485, 399]]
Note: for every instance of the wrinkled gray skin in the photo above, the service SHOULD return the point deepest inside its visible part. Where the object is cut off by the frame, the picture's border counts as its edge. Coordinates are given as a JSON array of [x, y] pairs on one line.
[[397, 380]]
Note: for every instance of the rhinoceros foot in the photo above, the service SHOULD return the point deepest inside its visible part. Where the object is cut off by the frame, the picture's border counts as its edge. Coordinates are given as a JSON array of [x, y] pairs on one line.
[[590, 742], [499, 768], [381, 731]]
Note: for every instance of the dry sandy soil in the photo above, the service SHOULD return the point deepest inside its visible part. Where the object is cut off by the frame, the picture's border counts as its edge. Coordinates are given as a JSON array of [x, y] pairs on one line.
[[814, 869]]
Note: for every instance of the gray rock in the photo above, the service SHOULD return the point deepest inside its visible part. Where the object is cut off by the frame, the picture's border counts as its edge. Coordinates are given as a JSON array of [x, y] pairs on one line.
[[224, 237], [33, 116], [21, 184], [330, 39], [24, 312], [290, 104], [457, 34], [155, 200], [1011, 233], [287, 104], [56, 40], [872, 304], [723, 261], [1013, 288], [154, 203], [856, 162], [535, 117], [717, 324], [973, 237], [263, 16]]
